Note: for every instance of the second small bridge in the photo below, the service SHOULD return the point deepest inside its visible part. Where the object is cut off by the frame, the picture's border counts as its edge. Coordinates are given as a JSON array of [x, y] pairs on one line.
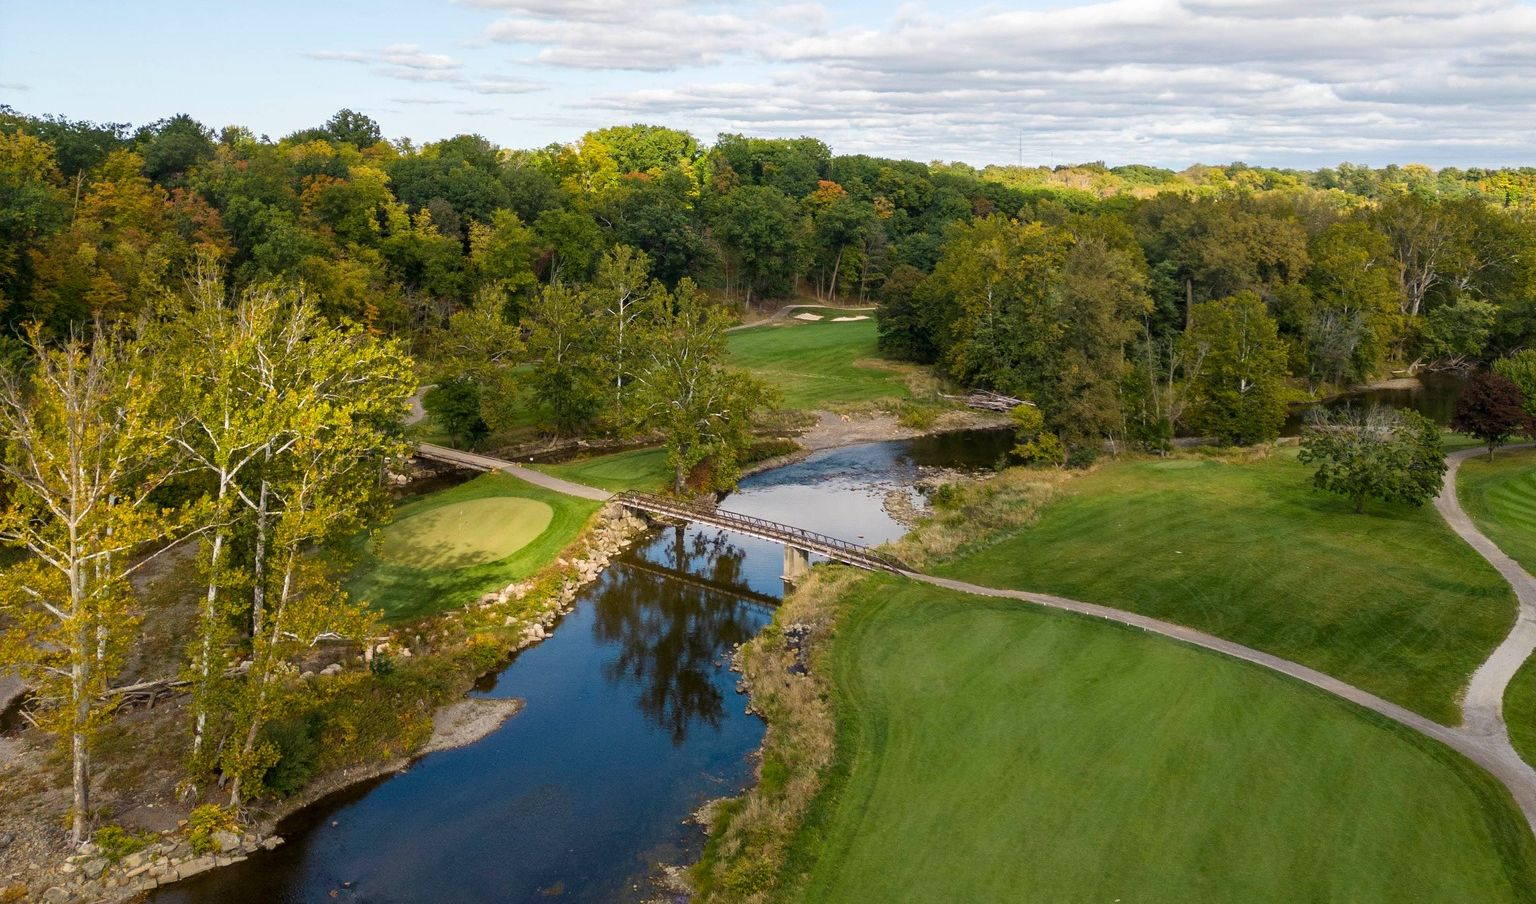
[[798, 542]]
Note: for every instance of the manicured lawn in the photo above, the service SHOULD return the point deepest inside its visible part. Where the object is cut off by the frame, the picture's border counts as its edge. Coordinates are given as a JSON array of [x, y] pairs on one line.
[[1390, 600], [992, 751], [1500, 496], [445, 549], [815, 364], [1520, 710], [636, 469]]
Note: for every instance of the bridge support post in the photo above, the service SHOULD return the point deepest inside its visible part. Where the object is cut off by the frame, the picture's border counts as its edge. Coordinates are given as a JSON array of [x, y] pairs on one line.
[[796, 563]]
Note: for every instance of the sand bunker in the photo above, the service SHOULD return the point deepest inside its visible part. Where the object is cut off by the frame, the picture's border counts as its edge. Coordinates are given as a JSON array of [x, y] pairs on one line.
[[850, 319], [807, 316]]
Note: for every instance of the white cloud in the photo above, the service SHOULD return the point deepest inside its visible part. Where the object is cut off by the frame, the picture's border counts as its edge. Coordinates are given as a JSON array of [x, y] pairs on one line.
[[1303, 81], [407, 62], [504, 86], [656, 37]]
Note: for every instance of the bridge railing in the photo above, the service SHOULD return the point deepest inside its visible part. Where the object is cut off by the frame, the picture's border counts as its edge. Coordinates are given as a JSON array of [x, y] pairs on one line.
[[835, 547]]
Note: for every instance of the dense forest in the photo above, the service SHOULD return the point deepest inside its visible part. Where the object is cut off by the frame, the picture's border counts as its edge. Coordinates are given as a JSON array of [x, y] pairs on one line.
[[1127, 302]]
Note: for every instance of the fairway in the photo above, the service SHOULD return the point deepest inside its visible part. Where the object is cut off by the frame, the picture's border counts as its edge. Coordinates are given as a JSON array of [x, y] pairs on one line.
[[634, 469], [1500, 496], [465, 533], [993, 751], [448, 547], [1390, 600], [815, 364]]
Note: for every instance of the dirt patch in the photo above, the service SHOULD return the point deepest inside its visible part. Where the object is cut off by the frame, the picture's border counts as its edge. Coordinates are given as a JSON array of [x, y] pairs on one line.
[[463, 723], [833, 430]]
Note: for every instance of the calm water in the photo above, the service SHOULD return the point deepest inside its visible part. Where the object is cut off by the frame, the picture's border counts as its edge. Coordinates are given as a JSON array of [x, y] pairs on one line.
[[632, 721], [1435, 398]]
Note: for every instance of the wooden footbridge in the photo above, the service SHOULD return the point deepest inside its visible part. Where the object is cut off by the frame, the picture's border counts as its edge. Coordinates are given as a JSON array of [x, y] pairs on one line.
[[798, 542]]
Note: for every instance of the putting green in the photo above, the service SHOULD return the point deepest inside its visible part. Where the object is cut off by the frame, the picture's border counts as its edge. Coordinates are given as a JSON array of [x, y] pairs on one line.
[[467, 533]]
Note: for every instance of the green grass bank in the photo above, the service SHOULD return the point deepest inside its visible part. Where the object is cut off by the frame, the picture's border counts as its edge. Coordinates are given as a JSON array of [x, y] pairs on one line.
[[1390, 600], [992, 751]]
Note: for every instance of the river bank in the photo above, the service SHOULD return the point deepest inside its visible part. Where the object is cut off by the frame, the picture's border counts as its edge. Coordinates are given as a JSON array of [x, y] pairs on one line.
[[139, 784]]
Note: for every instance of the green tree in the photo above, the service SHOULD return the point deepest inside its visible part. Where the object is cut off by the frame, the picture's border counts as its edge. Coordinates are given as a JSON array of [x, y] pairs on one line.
[[1376, 453], [1520, 369], [1034, 443], [454, 405], [480, 351], [572, 368], [84, 455], [1458, 332], [702, 407], [624, 296], [1239, 394], [1355, 316], [172, 147], [324, 487], [572, 242], [760, 229]]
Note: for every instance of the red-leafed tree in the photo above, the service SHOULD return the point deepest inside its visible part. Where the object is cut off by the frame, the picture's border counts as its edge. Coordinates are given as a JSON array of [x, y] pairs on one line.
[[1492, 408]]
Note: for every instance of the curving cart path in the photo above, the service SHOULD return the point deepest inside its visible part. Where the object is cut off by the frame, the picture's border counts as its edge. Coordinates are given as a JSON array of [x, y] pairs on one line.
[[1482, 737]]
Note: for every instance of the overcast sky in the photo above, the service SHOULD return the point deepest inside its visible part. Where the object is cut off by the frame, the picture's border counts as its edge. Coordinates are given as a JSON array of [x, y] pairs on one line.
[[1168, 82]]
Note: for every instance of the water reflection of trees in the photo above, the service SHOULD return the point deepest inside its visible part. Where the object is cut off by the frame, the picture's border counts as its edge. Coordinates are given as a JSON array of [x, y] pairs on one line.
[[671, 632]]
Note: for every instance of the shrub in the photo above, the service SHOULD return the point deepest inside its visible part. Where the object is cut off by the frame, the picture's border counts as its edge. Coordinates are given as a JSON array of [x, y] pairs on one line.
[[205, 822], [298, 754], [916, 416], [117, 842]]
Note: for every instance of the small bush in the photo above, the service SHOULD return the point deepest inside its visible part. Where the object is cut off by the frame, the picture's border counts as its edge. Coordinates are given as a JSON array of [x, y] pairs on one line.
[[945, 496], [117, 842], [298, 754], [205, 822], [916, 416], [381, 665]]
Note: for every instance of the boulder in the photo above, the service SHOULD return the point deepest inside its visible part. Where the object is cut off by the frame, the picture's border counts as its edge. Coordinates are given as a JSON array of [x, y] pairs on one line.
[[93, 868], [56, 895], [332, 669], [227, 841]]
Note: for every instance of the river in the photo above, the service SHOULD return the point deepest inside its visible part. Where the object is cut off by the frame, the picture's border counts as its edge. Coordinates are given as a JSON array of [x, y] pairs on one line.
[[632, 720]]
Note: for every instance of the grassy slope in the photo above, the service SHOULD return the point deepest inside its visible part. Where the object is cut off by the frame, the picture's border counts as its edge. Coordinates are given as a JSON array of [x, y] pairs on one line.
[[636, 469], [1390, 600], [402, 592], [996, 752], [815, 364], [1520, 710], [1500, 495]]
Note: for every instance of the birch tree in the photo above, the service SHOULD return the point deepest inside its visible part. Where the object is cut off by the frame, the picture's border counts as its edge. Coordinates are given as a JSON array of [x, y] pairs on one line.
[[214, 354], [626, 297], [84, 456], [324, 489]]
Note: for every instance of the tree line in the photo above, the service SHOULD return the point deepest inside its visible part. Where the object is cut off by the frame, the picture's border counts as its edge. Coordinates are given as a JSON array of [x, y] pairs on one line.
[[1128, 302]]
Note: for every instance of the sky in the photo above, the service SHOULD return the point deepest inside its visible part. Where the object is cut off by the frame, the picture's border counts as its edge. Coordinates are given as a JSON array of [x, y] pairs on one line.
[[1301, 83]]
